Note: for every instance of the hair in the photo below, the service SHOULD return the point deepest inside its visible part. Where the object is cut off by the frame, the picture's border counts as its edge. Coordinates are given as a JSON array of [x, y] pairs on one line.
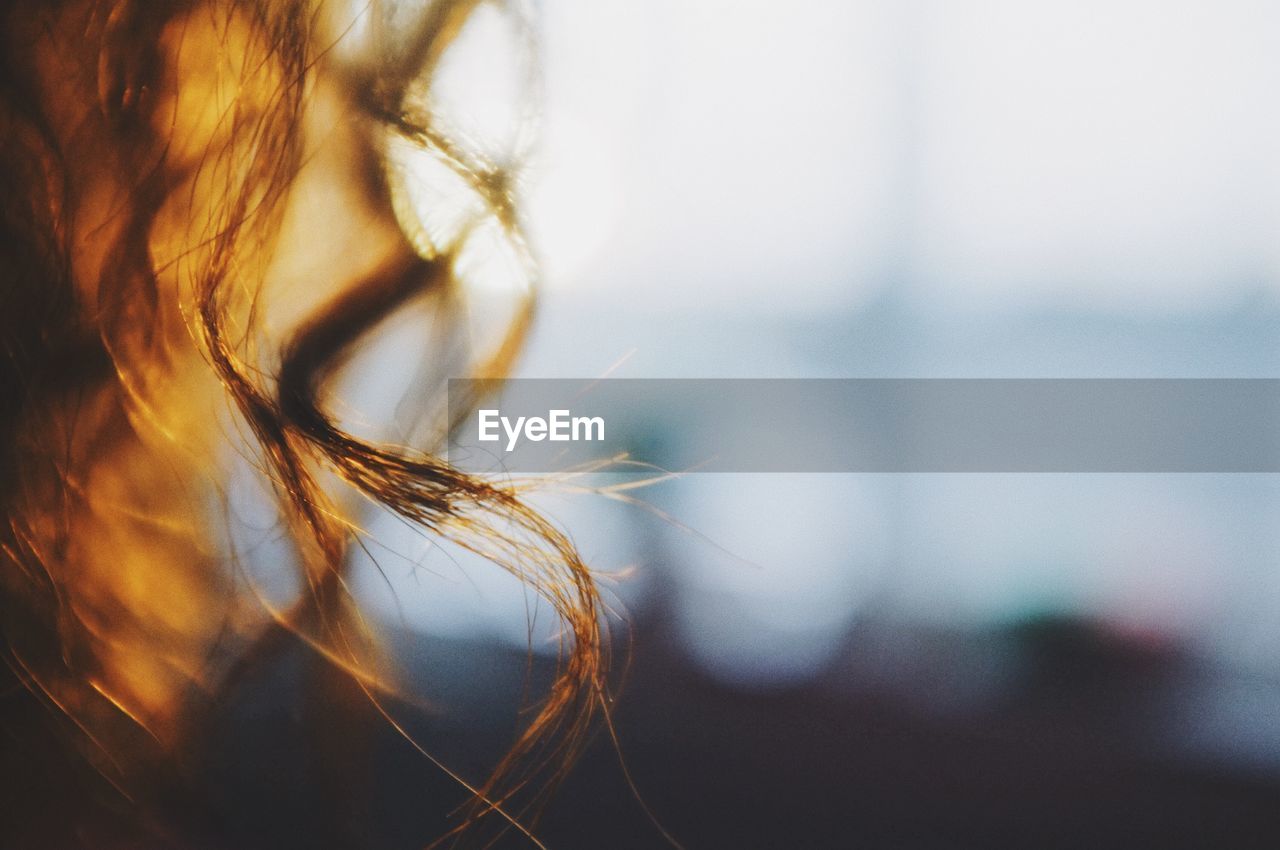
[[149, 154]]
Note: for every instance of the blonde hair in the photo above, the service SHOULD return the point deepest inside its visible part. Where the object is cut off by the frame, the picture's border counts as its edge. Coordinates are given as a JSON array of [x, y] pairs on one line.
[[150, 151]]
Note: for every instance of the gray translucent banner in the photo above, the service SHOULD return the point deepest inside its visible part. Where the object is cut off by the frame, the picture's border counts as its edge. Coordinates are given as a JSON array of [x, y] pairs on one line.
[[869, 425]]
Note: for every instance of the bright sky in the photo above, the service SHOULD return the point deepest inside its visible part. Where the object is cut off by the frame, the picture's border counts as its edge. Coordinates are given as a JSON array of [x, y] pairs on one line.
[[1120, 154]]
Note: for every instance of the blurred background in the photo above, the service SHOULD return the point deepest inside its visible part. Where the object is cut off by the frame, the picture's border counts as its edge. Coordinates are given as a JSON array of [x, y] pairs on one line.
[[901, 188]]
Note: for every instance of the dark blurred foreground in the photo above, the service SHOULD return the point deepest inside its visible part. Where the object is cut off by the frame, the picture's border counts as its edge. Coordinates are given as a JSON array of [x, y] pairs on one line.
[[1047, 734]]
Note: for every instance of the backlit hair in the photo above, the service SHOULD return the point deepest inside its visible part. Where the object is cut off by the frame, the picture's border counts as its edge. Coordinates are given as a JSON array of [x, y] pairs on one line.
[[151, 151]]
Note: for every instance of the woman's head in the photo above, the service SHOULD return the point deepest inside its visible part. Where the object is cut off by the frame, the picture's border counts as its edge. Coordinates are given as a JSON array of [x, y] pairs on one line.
[[206, 208]]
